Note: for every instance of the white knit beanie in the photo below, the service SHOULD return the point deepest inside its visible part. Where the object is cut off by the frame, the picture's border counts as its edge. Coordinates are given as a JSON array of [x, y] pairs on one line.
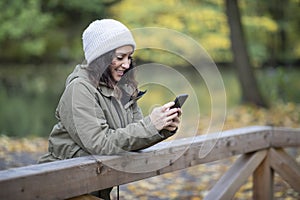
[[102, 36]]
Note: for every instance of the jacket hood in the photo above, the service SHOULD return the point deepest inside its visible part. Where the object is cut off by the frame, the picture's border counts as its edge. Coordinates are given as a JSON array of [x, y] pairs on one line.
[[79, 71]]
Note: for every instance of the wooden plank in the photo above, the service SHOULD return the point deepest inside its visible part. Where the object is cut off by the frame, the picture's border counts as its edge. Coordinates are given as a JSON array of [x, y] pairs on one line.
[[285, 137], [263, 178], [85, 197], [236, 176], [57, 180], [286, 167], [68, 178]]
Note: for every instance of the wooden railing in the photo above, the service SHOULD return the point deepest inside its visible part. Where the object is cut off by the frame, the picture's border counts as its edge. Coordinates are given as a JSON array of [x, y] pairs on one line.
[[261, 150]]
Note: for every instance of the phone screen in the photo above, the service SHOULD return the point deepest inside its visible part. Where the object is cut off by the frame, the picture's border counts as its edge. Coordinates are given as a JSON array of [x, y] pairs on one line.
[[179, 101]]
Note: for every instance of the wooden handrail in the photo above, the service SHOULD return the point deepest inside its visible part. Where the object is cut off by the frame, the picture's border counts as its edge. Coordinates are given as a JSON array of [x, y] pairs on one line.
[[74, 177]]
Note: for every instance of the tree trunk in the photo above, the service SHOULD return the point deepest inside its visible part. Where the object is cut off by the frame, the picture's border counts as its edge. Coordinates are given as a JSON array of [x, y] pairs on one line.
[[250, 91]]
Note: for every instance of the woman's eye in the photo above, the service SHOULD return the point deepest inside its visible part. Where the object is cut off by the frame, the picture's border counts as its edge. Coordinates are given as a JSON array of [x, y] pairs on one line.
[[120, 58]]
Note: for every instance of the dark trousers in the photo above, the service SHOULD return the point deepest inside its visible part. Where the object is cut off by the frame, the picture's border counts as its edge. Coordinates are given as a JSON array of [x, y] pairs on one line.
[[104, 194]]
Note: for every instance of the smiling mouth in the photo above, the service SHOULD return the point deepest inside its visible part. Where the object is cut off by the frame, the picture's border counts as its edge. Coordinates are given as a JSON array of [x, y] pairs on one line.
[[120, 72]]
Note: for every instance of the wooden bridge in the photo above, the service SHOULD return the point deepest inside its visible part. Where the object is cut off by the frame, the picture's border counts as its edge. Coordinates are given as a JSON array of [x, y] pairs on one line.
[[260, 149]]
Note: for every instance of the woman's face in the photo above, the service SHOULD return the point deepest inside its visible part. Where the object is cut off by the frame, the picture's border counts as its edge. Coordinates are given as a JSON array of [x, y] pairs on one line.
[[121, 62]]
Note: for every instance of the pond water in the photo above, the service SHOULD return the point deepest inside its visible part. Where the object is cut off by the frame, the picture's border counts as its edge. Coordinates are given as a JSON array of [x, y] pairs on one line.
[[29, 94]]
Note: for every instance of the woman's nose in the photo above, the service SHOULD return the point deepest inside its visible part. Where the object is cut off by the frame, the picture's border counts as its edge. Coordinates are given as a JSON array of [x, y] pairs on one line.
[[126, 64]]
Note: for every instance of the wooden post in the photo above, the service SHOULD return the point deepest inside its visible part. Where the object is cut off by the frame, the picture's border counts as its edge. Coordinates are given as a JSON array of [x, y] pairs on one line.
[[263, 178], [286, 167], [236, 176]]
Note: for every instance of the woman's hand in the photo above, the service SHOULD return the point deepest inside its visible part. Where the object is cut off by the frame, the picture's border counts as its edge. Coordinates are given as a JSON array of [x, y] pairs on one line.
[[165, 118], [174, 125]]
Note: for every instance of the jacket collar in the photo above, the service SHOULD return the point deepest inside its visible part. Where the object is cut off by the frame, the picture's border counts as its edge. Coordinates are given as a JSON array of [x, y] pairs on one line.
[[105, 91], [108, 92], [126, 99]]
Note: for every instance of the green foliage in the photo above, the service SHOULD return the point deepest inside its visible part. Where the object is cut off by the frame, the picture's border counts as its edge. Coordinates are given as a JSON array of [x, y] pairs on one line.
[[206, 22], [47, 30], [19, 37], [50, 30], [28, 98], [93, 6], [280, 85], [272, 30]]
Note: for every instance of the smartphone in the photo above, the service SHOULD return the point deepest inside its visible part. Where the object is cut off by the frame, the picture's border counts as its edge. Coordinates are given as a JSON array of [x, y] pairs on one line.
[[179, 101]]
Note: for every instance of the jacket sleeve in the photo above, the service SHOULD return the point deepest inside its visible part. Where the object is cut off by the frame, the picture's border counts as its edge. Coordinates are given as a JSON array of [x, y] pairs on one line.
[[138, 115], [85, 121]]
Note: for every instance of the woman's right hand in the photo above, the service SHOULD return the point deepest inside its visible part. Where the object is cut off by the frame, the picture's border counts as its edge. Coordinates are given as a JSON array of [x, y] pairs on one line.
[[162, 117]]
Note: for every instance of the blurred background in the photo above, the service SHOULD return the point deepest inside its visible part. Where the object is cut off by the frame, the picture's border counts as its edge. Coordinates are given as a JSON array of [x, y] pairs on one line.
[[41, 44]]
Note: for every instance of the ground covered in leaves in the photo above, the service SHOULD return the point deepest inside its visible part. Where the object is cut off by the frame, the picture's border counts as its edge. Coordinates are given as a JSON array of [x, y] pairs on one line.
[[192, 183]]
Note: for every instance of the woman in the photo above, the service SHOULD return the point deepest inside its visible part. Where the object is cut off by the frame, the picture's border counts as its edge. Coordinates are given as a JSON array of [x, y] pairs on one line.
[[98, 112]]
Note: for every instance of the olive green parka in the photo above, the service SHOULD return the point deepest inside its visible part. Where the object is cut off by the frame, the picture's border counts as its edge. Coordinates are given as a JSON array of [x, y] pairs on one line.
[[92, 121]]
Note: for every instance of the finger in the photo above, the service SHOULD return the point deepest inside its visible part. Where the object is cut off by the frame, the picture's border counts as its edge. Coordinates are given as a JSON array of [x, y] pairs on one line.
[[179, 112], [172, 116], [168, 105], [170, 122], [172, 111], [170, 128], [175, 123], [176, 120]]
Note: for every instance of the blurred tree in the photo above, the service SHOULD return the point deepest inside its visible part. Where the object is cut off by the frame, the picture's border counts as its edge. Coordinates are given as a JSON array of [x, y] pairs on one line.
[[284, 13], [250, 91], [19, 37], [49, 30], [205, 21], [70, 18], [272, 31], [277, 10]]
